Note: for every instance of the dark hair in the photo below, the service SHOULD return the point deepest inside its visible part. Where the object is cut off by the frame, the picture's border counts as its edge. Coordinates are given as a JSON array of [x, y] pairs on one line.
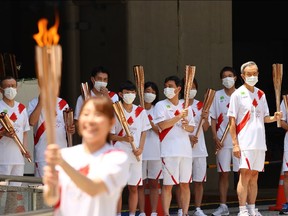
[[99, 69], [175, 79], [127, 85], [227, 68], [7, 78], [155, 88], [103, 105]]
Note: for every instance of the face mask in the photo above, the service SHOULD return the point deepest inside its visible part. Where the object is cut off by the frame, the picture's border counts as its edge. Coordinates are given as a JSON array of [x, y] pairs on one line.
[[129, 98], [192, 93], [228, 82], [251, 81], [98, 85], [169, 92], [149, 97], [10, 93]]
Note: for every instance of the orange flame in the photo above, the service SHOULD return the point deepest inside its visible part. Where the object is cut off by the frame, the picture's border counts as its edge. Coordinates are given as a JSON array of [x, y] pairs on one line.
[[47, 37]]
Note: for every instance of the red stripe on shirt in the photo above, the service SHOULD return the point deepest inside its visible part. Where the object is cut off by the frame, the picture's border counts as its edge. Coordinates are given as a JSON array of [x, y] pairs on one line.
[[242, 124], [85, 170], [163, 133], [57, 205], [150, 117], [119, 134], [138, 111], [220, 119], [13, 117], [139, 181], [130, 120], [39, 133], [174, 180], [220, 167], [158, 176], [62, 103]]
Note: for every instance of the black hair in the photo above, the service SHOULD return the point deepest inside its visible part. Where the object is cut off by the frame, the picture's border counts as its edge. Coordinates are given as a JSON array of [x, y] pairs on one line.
[[7, 78], [127, 85], [227, 68], [99, 69], [183, 84], [155, 88], [176, 79]]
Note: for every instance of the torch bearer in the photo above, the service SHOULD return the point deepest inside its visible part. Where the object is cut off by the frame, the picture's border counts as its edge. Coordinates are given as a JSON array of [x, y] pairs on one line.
[[119, 110], [48, 56], [277, 81], [139, 80]]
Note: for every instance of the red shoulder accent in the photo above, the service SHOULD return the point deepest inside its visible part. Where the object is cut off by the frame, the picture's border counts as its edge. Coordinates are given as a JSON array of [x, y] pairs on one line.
[[138, 110], [199, 105], [21, 107], [62, 103], [176, 112], [260, 94], [111, 94]]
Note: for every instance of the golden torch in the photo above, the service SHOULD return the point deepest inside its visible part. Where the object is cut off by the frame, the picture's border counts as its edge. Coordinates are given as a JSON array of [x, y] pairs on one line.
[[189, 77], [277, 81], [85, 90], [139, 80], [69, 120], [209, 96], [48, 57]]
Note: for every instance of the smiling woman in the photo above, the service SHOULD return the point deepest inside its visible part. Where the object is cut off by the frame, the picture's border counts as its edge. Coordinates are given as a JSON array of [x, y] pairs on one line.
[[89, 177]]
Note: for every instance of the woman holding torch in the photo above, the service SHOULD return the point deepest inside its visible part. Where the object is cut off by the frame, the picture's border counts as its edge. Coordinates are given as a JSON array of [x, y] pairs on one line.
[[89, 178]]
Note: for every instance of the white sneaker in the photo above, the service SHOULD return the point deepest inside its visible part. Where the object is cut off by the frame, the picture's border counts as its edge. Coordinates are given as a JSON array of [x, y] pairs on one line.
[[179, 212], [257, 213], [244, 213], [154, 214], [221, 210], [142, 214], [199, 212]]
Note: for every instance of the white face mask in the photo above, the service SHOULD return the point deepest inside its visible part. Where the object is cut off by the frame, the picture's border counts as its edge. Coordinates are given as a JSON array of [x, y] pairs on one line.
[[149, 97], [10, 93], [169, 92], [228, 82], [129, 98], [192, 93], [252, 80], [99, 84]]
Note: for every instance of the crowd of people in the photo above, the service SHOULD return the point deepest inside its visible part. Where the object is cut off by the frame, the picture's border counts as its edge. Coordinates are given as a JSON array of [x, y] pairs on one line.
[[89, 178]]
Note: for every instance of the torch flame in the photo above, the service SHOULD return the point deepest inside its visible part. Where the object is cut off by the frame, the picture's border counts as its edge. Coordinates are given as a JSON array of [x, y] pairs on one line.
[[47, 37]]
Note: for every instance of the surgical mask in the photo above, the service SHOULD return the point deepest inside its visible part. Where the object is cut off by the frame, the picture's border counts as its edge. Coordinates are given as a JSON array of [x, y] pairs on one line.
[[169, 92], [192, 93], [149, 97], [228, 82], [99, 84], [252, 80], [10, 93], [129, 98]]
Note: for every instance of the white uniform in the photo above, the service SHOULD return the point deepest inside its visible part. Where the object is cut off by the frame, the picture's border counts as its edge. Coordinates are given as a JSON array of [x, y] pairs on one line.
[[285, 155], [218, 111], [108, 164], [40, 141], [114, 97], [176, 150], [199, 151], [10, 153], [151, 164], [249, 110], [138, 122]]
